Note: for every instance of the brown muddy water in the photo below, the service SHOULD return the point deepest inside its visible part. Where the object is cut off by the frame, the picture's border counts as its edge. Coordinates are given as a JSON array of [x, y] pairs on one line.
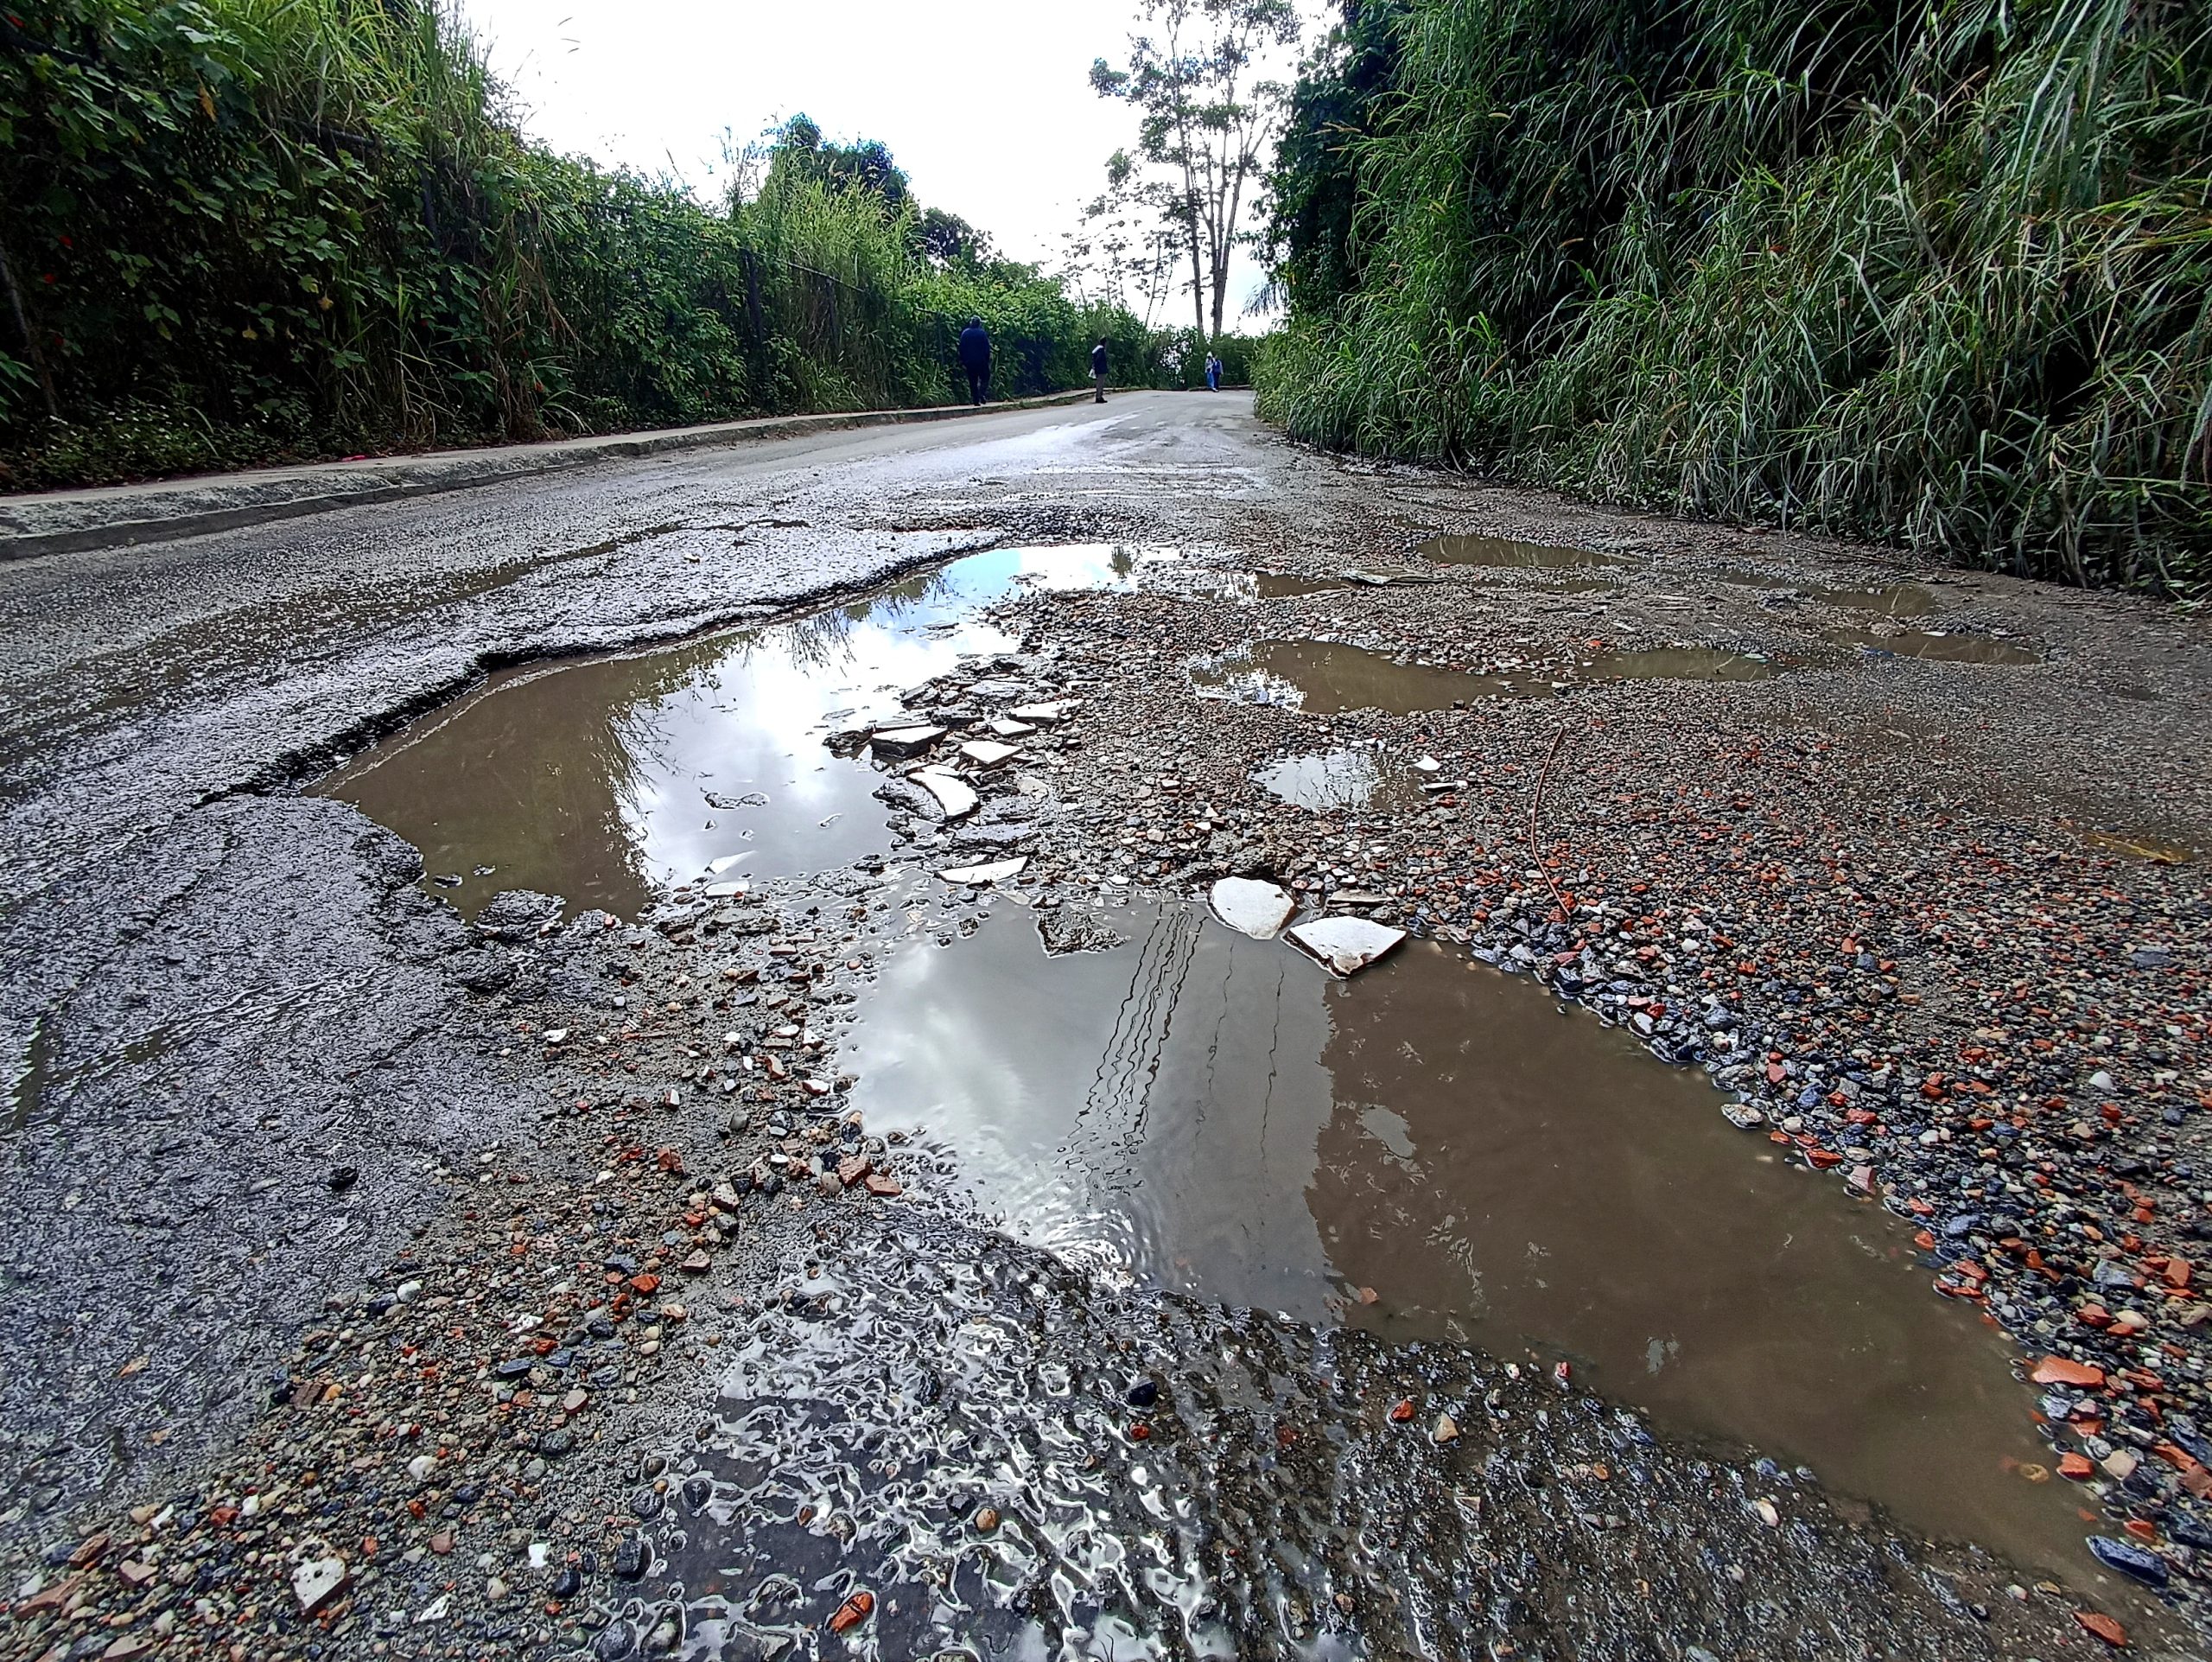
[[1941, 648], [1327, 678], [1893, 600], [608, 781], [1434, 1150]]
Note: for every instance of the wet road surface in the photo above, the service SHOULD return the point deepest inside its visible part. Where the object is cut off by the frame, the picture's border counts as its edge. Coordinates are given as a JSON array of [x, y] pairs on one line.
[[257, 1051]]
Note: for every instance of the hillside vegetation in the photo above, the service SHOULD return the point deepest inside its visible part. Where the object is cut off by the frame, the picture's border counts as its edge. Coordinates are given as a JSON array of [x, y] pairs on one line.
[[237, 231], [1939, 274]]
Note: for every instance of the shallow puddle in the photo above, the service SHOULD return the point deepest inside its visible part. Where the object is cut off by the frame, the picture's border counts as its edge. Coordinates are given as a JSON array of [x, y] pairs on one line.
[[1434, 1150], [607, 780], [1338, 779], [1894, 600], [1503, 551], [1286, 585], [1942, 649], [1327, 678]]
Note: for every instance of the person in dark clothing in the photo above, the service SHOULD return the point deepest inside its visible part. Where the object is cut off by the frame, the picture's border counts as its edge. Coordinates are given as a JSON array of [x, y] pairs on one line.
[[1098, 370], [975, 359]]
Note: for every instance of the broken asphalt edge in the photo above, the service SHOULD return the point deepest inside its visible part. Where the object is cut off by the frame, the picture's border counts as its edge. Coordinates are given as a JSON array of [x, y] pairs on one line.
[[121, 516]]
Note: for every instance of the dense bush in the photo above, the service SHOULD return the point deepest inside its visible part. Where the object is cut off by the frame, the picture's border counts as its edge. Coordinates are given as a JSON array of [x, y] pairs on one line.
[[1939, 274], [236, 230]]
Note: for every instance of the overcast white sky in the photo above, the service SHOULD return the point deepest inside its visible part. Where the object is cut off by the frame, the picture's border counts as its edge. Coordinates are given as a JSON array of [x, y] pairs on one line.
[[985, 103]]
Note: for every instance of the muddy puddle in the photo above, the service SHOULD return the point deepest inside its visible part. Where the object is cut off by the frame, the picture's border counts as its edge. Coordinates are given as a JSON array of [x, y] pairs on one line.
[[1501, 551], [1339, 779], [1941, 648], [1890, 599], [1327, 678], [608, 781], [1434, 1150]]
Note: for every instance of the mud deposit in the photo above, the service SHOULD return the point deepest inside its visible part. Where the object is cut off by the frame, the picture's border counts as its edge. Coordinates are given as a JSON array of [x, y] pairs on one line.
[[1436, 1150]]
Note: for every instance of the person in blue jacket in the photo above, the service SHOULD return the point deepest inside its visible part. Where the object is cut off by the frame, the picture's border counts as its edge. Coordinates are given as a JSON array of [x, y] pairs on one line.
[[975, 359]]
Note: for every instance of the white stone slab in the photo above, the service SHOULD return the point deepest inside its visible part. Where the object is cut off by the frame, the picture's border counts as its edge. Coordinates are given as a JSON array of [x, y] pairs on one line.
[[724, 891], [1045, 714], [954, 796], [1347, 946], [314, 1583], [1251, 908], [1007, 728], [718, 867], [989, 753], [997, 872]]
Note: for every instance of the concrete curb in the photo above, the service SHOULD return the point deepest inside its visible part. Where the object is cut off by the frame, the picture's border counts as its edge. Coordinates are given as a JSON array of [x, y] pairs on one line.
[[120, 516]]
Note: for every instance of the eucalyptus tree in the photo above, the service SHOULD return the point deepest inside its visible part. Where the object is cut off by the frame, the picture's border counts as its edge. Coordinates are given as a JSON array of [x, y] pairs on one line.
[[1207, 115]]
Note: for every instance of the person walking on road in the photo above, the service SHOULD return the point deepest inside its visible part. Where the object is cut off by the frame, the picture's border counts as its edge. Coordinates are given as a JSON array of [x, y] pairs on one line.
[[1098, 370], [1213, 373], [975, 359]]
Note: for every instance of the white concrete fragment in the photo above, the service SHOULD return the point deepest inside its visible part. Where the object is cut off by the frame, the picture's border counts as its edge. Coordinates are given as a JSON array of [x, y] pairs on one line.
[[557, 1035], [989, 753], [1007, 728], [717, 867], [905, 741], [1346, 946], [1429, 765], [724, 891], [997, 872], [314, 1583], [1251, 908], [954, 797], [1046, 714]]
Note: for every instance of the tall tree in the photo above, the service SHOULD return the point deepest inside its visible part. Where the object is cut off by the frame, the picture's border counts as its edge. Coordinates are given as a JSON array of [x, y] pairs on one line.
[[1206, 116]]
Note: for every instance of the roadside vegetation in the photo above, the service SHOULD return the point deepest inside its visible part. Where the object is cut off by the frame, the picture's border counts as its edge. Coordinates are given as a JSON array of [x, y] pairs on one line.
[[234, 231], [1938, 275]]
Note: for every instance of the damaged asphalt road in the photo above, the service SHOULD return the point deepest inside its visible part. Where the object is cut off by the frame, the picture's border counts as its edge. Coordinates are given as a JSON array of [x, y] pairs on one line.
[[276, 1103]]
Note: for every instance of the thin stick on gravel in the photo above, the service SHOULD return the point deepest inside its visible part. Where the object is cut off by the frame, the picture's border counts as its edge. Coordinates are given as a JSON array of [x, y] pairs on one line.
[[1535, 807]]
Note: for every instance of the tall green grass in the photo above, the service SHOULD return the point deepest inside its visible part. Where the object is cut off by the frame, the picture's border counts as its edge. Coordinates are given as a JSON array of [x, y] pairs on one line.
[[240, 230], [1939, 275]]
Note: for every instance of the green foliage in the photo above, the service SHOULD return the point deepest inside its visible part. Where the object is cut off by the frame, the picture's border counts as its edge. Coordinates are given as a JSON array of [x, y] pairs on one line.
[[240, 231], [1938, 275]]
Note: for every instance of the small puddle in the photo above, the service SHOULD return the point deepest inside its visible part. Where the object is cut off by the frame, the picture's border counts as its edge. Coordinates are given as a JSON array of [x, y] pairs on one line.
[[1503, 551], [1286, 585], [1434, 1150], [1942, 649], [1896, 599], [607, 780], [1327, 678], [1337, 779]]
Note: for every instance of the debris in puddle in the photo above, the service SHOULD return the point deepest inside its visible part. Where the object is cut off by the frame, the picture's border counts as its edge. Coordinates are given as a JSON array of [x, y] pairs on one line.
[[989, 753], [899, 741], [1256, 908], [1346, 946], [997, 872], [956, 798]]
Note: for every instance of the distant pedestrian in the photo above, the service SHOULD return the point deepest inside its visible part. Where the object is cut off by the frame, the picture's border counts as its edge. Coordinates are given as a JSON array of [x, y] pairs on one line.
[[975, 359], [1213, 373], [1098, 370]]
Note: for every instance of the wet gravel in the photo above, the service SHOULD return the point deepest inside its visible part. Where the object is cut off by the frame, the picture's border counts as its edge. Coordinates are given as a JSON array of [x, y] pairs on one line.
[[1917, 918]]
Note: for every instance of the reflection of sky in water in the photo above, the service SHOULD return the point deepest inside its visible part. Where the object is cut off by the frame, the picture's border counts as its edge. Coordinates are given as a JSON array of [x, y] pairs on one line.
[[605, 781], [1339, 779], [1432, 1150]]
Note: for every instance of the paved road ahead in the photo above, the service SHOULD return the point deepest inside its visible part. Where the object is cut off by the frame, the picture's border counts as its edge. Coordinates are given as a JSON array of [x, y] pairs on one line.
[[219, 991]]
